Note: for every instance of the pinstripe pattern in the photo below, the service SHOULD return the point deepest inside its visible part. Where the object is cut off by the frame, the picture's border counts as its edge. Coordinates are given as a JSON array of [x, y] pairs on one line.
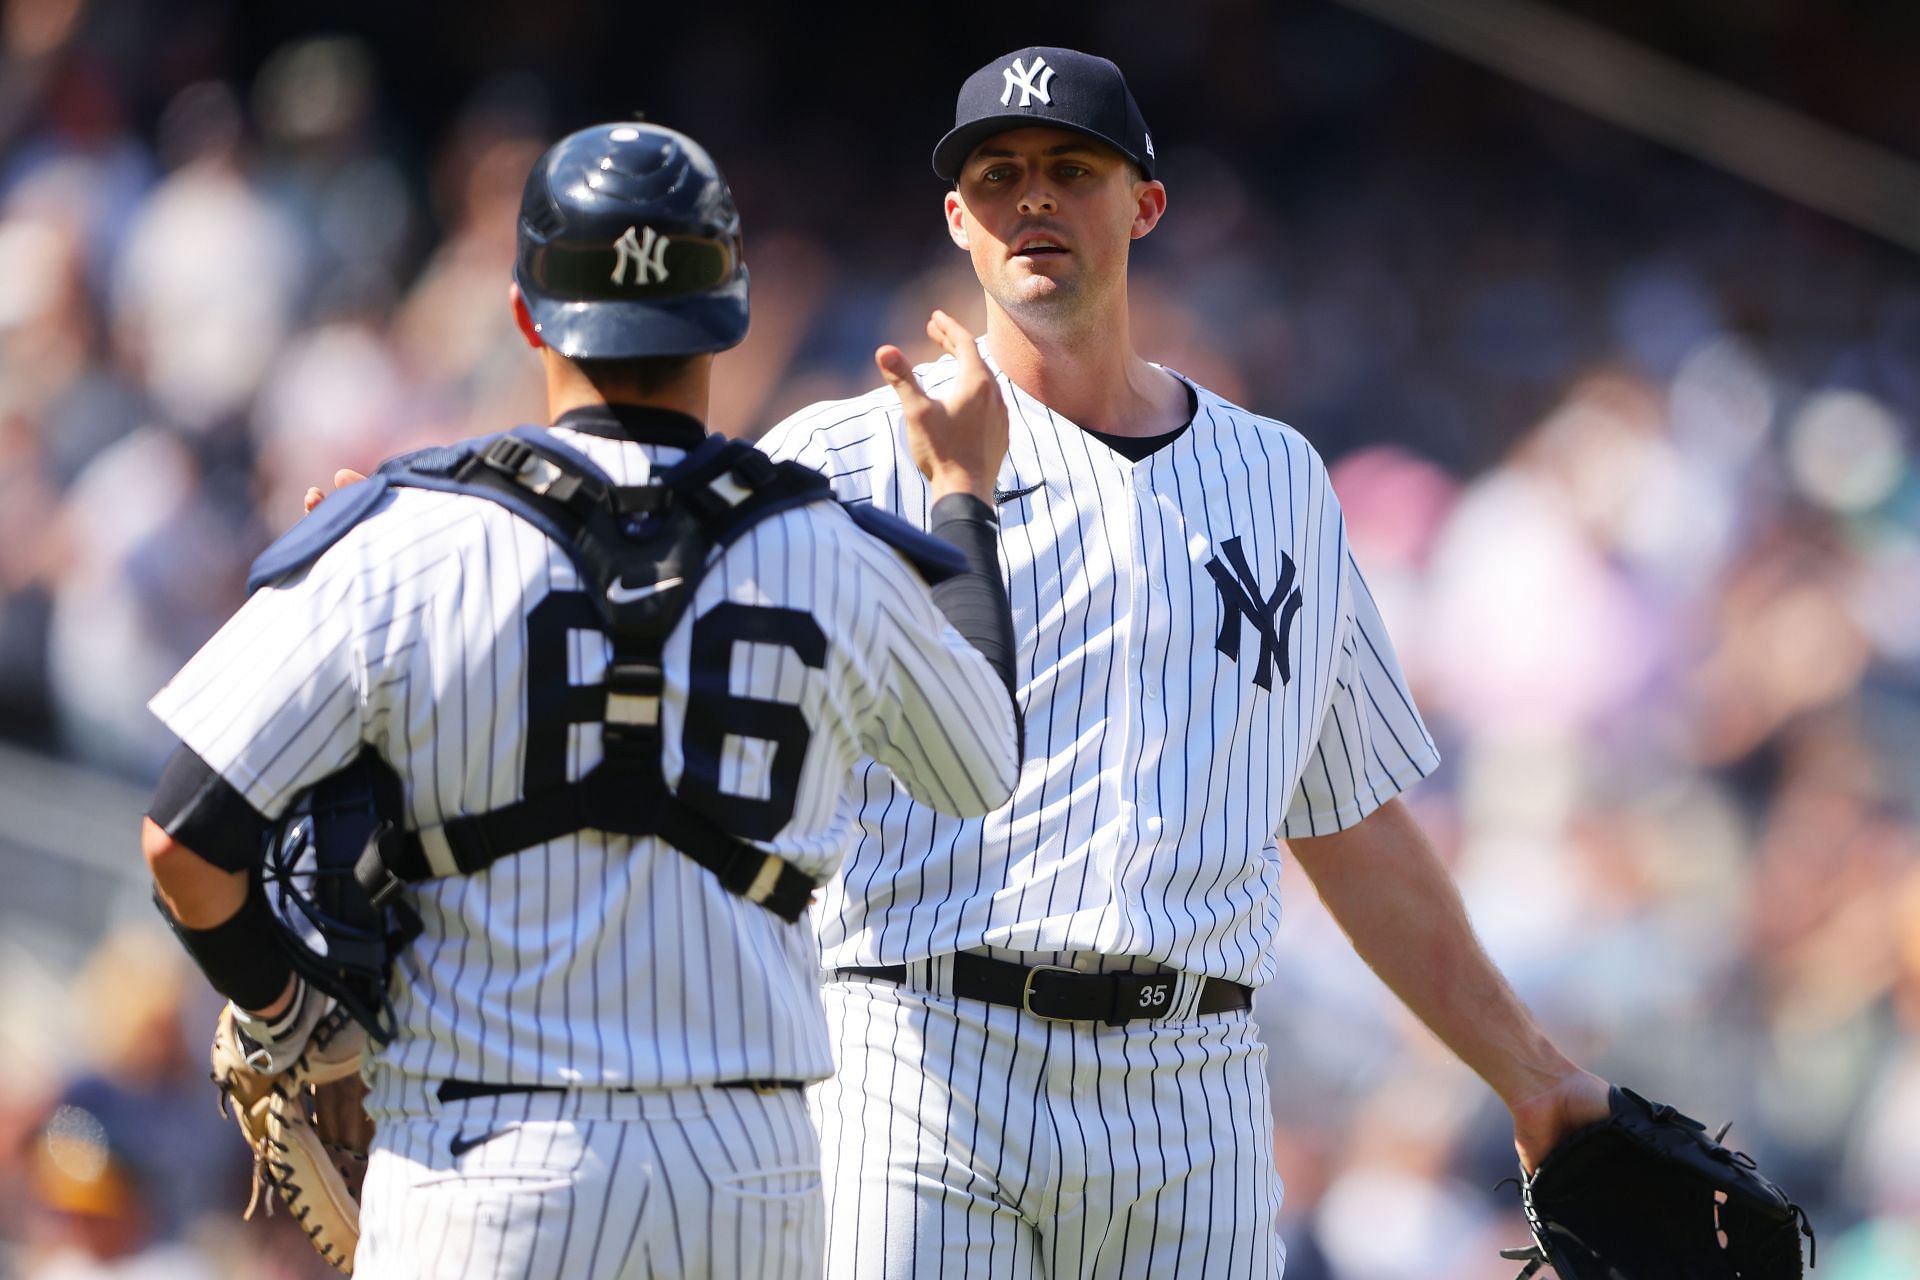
[[1159, 778], [591, 959], [572, 1185], [942, 1166], [964, 1139]]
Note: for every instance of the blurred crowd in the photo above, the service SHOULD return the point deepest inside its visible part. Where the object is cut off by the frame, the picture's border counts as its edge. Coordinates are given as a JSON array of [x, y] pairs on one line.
[[1627, 451]]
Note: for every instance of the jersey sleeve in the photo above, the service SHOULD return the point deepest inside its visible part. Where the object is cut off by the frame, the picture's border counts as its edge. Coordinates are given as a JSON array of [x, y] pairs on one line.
[[793, 440], [1372, 743], [942, 720], [277, 699], [841, 439]]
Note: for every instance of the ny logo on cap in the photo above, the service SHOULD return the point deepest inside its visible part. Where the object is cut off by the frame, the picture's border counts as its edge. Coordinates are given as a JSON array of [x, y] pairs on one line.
[[1031, 81], [647, 257]]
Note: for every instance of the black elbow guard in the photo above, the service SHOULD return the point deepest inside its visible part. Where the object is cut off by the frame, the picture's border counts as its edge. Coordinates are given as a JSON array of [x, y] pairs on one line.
[[242, 956]]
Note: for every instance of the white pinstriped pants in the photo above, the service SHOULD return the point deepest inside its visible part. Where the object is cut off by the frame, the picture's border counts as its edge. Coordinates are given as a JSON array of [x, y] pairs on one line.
[[966, 1140], [590, 1184]]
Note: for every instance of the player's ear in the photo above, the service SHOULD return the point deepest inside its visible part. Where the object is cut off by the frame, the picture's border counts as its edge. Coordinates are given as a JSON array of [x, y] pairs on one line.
[[1150, 202], [957, 220], [523, 317]]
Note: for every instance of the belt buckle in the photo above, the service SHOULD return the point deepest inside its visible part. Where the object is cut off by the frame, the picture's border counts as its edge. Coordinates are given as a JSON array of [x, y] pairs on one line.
[[1026, 989]]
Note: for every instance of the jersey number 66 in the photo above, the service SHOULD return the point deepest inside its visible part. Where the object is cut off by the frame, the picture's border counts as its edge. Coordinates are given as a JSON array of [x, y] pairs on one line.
[[713, 712]]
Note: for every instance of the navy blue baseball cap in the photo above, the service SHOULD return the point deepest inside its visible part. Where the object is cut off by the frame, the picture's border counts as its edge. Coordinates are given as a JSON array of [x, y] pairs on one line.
[[1042, 86]]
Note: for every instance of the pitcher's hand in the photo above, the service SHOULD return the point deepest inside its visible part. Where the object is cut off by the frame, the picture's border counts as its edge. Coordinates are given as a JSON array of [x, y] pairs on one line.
[[959, 440], [341, 479], [1540, 1122]]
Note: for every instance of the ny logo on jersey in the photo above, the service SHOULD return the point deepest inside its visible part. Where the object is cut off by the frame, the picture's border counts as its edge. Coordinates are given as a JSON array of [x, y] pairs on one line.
[[1240, 593], [647, 257], [1031, 81]]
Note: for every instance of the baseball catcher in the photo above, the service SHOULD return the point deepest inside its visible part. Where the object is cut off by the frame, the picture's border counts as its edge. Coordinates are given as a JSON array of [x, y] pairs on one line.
[[592, 776], [1647, 1195]]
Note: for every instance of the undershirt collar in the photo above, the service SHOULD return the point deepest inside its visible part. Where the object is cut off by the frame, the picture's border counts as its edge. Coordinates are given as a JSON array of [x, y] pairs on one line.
[[642, 423], [1136, 448]]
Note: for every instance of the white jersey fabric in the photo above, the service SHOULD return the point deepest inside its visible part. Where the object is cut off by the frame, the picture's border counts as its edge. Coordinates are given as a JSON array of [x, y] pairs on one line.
[[432, 627], [1203, 673], [597, 1185]]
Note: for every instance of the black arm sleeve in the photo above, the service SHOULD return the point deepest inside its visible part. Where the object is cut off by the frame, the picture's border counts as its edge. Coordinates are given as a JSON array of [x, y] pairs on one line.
[[242, 955], [975, 602], [200, 809]]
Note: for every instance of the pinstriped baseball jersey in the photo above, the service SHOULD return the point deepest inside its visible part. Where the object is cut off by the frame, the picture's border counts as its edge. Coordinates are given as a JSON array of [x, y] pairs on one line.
[[1203, 673], [457, 640]]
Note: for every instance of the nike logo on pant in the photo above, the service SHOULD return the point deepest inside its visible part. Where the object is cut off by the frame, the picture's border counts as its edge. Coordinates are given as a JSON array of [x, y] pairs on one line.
[[461, 1143]]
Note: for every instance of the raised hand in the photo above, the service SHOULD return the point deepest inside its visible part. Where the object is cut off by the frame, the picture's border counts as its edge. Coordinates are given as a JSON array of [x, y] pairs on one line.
[[341, 479], [959, 440]]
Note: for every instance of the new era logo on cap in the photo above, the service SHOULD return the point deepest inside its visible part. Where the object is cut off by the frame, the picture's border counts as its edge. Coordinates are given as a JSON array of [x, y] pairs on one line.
[[1061, 88]]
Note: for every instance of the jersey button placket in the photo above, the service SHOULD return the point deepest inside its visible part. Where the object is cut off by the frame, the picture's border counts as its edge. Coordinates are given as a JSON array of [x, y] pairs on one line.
[[1130, 564], [1149, 592]]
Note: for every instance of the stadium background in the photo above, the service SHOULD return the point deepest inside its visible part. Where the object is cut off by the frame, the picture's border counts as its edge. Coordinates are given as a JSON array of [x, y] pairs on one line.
[[1626, 441]]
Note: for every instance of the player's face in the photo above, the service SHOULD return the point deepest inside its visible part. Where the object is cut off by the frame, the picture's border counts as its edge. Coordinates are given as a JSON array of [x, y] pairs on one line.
[[1047, 216]]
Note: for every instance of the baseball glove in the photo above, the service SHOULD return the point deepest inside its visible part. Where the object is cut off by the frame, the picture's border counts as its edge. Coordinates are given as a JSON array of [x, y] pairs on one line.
[[309, 1133], [1647, 1195]]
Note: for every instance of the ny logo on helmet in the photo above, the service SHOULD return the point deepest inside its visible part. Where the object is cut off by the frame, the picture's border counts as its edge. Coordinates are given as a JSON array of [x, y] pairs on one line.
[[1031, 81], [647, 257]]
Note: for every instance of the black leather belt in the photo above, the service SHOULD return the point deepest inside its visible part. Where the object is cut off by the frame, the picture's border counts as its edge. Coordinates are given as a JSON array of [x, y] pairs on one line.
[[1068, 995], [461, 1090]]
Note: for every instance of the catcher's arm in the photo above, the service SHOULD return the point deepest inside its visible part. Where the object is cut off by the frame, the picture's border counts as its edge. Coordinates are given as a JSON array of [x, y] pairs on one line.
[[1387, 889], [290, 1070], [198, 896], [201, 840], [215, 906], [210, 911]]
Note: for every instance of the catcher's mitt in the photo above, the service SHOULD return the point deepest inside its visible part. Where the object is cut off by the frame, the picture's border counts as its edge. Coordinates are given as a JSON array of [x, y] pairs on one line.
[[1647, 1195], [308, 1131]]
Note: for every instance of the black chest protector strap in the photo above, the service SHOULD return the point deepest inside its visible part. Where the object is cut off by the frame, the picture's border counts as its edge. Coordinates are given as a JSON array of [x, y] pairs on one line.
[[641, 551]]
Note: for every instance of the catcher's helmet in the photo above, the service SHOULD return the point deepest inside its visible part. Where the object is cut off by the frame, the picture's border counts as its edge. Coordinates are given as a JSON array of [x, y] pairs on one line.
[[341, 936], [629, 246]]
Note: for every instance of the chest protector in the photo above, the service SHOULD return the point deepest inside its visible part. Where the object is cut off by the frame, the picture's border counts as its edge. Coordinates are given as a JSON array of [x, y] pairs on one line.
[[641, 552]]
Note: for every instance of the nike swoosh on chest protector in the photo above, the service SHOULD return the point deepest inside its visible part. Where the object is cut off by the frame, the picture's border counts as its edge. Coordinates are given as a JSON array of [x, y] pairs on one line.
[[620, 593]]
